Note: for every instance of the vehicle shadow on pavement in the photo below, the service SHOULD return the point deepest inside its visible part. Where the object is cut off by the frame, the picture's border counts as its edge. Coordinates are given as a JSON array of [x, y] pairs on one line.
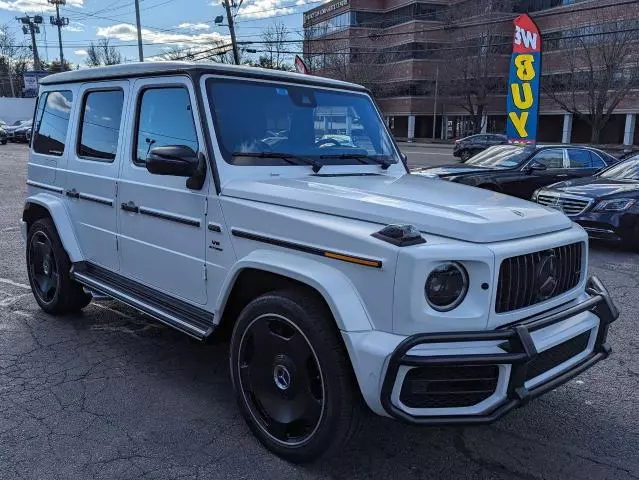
[[113, 394]]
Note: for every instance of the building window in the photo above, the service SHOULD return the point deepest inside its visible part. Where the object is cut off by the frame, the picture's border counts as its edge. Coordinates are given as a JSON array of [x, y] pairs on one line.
[[52, 122]]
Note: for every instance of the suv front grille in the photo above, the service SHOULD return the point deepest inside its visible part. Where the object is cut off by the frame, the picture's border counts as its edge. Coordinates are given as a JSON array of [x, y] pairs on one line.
[[536, 277], [448, 386], [549, 359], [568, 205]]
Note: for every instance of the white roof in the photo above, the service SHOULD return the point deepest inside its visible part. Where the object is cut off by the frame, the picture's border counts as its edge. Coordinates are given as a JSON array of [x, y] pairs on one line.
[[165, 68]]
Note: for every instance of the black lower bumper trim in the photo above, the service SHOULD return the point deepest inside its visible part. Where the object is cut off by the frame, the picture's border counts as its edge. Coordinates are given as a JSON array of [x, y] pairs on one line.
[[519, 352]]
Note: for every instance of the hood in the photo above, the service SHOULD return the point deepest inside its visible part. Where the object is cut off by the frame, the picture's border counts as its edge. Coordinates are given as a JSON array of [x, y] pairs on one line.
[[440, 208], [597, 187], [452, 169]]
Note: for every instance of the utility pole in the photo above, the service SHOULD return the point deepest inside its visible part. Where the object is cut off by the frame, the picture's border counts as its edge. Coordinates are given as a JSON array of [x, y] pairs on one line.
[[435, 104], [32, 25], [231, 20], [59, 22], [13, 91], [137, 21]]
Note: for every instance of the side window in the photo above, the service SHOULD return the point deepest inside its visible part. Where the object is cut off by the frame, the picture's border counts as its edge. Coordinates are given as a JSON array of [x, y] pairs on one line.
[[597, 162], [579, 158], [164, 118], [52, 122], [552, 158], [100, 125]]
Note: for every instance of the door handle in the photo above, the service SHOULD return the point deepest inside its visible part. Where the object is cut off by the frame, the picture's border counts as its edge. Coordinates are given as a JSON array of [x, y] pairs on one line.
[[73, 193], [130, 207]]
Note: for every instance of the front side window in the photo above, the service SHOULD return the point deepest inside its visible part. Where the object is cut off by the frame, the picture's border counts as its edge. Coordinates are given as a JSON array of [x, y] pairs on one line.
[[256, 122], [52, 122], [100, 125], [553, 158], [165, 118]]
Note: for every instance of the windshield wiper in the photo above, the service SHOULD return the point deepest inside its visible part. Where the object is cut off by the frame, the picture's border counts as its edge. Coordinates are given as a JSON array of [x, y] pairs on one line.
[[287, 157], [385, 163]]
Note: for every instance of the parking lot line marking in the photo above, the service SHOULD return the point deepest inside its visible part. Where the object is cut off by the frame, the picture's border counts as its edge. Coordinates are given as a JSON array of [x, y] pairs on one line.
[[15, 284]]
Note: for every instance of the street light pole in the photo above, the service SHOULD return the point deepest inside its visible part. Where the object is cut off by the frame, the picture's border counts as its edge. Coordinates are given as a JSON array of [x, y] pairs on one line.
[[137, 21], [435, 104]]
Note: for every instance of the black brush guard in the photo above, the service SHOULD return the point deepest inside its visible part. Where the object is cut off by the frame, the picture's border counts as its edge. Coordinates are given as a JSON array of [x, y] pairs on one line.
[[519, 352]]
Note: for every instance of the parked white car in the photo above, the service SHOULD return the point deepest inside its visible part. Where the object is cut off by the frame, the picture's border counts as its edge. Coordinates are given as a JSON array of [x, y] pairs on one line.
[[346, 280]]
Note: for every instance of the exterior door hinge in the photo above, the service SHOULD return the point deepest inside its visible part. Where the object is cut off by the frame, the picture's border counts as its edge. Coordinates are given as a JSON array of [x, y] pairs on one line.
[[117, 243], [116, 190], [206, 207], [204, 273]]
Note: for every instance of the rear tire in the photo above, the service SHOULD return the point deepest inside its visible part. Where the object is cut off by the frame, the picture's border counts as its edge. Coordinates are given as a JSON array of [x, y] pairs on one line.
[[466, 155], [292, 377], [48, 267]]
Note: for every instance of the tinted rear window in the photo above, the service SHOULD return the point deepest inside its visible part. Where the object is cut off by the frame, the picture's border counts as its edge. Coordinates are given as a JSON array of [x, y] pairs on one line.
[[52, 122], [100, 126]]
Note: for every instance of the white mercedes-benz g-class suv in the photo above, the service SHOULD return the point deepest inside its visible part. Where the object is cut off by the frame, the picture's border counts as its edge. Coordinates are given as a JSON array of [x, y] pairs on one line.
[[278, 205]]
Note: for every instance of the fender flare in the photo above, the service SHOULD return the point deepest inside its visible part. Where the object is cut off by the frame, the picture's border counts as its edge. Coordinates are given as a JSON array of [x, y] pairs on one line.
[[337, 290], [61, 220]]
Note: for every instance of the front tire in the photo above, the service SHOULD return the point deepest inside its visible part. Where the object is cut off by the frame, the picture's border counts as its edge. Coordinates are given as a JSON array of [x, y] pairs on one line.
[[48, 267], [292, 377]]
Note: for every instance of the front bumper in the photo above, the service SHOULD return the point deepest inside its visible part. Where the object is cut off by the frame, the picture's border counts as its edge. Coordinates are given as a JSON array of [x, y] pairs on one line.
[[517, 351], [608, 226]]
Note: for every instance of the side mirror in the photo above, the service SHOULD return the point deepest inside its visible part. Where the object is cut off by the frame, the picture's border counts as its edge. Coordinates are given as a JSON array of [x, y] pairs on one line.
[[179, 161], [176, 160], [535, 166]]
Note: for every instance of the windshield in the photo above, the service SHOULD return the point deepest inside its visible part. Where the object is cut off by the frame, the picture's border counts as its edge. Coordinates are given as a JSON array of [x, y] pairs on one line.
[[501, 156], [626, 170], [256, 121]]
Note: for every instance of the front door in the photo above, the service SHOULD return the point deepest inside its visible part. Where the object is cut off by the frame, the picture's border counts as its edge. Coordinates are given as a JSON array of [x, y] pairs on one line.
[[554, 161], [162, 223], [94, 160]]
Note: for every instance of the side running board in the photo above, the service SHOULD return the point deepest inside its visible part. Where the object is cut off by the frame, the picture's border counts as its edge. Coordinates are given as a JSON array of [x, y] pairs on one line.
[[193, 321]]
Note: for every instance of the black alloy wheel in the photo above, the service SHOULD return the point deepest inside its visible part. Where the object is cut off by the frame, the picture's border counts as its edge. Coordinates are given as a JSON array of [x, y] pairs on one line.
[[49, 270], [280, 379], [466, 155], [43, 268], [292, 376]]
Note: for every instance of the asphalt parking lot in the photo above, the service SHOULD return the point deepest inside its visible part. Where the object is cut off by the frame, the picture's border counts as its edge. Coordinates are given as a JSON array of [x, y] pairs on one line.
[[110, 394]]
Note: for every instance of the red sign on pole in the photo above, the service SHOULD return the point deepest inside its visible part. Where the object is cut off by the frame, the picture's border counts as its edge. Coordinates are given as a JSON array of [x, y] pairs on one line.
[[300, 65]]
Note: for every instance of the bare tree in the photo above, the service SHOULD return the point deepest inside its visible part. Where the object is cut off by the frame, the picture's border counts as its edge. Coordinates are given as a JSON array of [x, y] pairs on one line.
[[103, 53], [276, 41], [14, 61], [601, 70], [366, 66], [478, 63]]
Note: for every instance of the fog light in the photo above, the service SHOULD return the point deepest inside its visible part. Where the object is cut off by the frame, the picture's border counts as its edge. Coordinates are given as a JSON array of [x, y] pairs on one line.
[[446, 286]]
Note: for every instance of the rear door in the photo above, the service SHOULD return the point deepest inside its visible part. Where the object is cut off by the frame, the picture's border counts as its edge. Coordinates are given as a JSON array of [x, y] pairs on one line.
[[162, 223], [93, 170], [583, 162]]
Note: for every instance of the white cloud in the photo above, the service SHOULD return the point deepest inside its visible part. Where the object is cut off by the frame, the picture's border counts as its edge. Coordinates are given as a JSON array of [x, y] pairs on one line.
[[127, 33], [194, 26], [29, 6], [80, 52], [265, 8], [74, 27]]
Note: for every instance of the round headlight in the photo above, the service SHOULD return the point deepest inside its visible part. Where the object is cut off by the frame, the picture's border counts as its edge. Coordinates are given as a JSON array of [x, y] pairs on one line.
[[446, 286]]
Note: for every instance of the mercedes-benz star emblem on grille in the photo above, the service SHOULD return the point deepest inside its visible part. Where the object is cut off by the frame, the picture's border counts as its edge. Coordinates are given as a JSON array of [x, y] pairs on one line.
[[547, 276], [557, 204]]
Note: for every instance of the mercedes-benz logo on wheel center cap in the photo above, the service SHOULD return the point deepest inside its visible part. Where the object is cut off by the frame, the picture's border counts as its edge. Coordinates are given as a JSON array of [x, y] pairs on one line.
[[547, 276], [282, 377]]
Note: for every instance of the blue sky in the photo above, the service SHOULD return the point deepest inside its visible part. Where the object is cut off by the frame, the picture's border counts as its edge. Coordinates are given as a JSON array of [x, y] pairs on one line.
[[165, 23]]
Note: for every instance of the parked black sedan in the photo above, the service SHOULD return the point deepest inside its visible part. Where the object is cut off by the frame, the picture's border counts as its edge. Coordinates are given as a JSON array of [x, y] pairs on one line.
[[519, 171], [467, 147], [3, 136], [606, 205]]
